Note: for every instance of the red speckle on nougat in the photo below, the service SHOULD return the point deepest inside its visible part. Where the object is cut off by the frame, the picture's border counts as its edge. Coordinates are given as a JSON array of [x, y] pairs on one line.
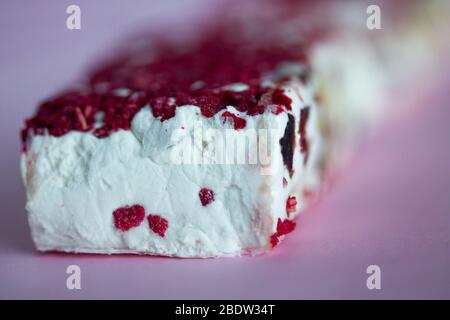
[[278, 97], [283, 227], [238, 123], [128, 217], [158, 224], [277, 110], [274, 240], [206, 196]]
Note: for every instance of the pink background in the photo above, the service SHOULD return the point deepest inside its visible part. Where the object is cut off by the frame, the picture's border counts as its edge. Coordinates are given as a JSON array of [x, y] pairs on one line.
[[390, 207]]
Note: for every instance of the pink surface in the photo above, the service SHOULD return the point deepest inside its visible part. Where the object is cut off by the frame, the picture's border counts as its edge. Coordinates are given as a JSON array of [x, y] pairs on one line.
[[390, 207]]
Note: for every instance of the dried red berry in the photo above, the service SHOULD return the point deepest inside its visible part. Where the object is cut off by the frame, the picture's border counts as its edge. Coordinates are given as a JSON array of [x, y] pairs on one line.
[[128, 217], [206, 196], [158, 224], [277, 110], [283, 227], [102, 132], [238, 122], [274, 240], [162, 108], [278, 97], [209, 104]]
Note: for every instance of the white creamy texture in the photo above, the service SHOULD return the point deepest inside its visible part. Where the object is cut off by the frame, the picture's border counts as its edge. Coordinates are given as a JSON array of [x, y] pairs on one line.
[[75, 182]]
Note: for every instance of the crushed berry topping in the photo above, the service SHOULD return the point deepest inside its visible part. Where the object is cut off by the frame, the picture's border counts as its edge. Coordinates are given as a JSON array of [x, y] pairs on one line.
[[128, 217], [164, 77], [167, 74], [76, 111], [206, 196], [238, 122], [158, 225], [283, 227], [291, 205], [304, 147], [162, 108]]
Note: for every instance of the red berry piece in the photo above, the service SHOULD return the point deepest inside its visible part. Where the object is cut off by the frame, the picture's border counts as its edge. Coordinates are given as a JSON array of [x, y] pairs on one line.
[[277, 110], [283, 227], [128, 217], [278, 97], [291, 205], [206, 196], [238, 123], [274, 240], [158, 224]]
